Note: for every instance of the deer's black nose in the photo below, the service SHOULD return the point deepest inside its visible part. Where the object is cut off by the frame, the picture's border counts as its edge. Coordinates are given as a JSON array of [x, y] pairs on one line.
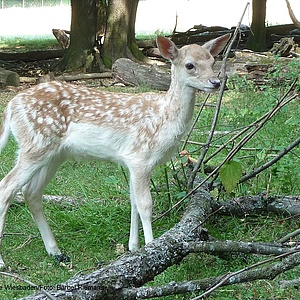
[[215, 82]]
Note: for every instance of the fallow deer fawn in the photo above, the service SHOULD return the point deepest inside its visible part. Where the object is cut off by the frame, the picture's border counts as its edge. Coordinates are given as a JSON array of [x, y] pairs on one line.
[[55, 121]]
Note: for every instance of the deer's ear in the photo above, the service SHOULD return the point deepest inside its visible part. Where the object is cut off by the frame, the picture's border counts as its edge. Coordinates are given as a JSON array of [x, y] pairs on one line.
[[215, 46], [167, 48]]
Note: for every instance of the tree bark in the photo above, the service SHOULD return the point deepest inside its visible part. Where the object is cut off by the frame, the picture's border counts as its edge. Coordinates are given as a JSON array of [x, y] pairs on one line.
[[241, 206], [257, 36], [79, 55], [120, 32]]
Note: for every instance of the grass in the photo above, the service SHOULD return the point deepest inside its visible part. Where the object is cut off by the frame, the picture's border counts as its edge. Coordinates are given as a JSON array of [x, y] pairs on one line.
[[91, 231], [46, 42], [28, 43]]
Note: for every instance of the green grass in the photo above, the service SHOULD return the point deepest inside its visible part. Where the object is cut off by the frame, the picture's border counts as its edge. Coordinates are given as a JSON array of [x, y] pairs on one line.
[[46, 42], [28, 43], [90, 230]]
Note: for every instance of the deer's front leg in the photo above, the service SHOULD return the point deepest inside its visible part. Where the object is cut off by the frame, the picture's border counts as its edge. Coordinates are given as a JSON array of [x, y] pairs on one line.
[[141, 206]]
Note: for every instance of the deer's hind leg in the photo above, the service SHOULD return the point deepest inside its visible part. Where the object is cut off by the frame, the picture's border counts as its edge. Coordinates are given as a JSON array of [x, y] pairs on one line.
[[33, 192], [20, 175]]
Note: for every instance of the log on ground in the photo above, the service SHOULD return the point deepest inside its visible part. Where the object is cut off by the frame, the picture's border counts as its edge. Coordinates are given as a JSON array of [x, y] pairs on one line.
[[137, 74], [9, 78], [31, 55]]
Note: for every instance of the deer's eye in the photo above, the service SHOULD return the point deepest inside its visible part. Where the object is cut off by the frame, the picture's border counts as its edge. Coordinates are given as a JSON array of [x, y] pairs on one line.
[[189, 66]]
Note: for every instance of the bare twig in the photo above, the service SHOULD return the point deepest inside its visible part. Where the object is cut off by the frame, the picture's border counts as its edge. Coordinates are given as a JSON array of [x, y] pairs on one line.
[[262, 122], [210, 136], [270, 162], [289, 236], [27, 241], [230, 278], [195, 122], [219, 101], [257, 125], [282, 102]]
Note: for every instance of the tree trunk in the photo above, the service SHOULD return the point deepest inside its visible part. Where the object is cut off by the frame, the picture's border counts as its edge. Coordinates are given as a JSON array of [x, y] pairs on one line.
[[120, 32], [79, 55], [257, 36], [101, 17]]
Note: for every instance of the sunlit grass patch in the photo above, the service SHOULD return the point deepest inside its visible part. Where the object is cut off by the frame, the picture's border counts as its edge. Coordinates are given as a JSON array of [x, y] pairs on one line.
[[28, 43]]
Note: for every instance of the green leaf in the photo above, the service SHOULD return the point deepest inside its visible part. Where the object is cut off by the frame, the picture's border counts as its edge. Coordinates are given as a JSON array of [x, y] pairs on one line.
[[230, 174]]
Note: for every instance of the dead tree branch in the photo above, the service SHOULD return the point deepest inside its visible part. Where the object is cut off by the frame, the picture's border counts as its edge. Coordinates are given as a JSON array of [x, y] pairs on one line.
[[292, 15], [219, 102], [135, 269], [124, 278], [245, 205], [250, 273], [271, 162], [221, 247]]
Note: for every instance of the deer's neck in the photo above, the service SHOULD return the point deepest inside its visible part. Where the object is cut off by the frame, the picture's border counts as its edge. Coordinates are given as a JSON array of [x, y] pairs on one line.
[[181, 100]]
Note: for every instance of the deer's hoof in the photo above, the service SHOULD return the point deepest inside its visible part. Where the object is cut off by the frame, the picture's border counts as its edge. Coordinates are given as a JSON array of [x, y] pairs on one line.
[[61, 258]]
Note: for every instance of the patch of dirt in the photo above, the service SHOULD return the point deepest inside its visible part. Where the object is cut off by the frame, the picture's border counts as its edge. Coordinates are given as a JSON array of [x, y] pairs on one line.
[[31, 69]]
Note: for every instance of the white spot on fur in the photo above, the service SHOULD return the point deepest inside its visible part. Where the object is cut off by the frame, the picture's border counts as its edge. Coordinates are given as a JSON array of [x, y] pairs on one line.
[[40, 120]]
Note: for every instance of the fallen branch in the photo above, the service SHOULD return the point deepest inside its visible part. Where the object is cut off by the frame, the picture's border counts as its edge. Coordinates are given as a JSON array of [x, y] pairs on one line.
[[221, 247], [245, 205], [289, 261], [246, 274], [123, 278], [135, 269], [289, 236], [288, 283], [31, 55]]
